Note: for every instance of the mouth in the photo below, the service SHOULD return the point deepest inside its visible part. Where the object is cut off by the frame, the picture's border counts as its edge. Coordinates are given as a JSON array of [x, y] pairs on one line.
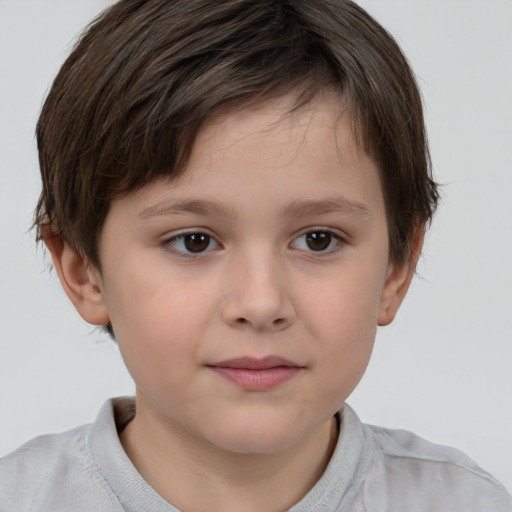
[[255, 374]]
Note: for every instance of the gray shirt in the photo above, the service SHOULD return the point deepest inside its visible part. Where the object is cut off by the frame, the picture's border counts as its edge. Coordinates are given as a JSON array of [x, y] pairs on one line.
[[372, 470]]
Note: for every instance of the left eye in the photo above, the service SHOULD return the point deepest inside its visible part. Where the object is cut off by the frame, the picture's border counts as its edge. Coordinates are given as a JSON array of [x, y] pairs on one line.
[[317, 241], [192, 243]]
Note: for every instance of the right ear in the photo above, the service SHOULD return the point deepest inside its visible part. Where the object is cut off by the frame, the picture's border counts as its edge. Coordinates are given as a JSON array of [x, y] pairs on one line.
[[80, 281]]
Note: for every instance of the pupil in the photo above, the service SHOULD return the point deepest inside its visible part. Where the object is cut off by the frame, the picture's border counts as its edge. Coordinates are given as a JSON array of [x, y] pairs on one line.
[[318, 241], [197, 242]]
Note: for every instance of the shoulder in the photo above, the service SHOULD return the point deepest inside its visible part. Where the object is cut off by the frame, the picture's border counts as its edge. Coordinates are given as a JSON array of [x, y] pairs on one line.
[[54, 472], [420, 475]]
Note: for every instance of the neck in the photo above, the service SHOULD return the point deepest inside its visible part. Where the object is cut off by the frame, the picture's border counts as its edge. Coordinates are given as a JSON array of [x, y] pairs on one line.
[[176, 463]]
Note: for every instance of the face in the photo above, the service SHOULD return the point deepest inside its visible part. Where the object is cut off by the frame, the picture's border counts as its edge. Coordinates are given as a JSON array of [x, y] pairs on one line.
[[245, 295]]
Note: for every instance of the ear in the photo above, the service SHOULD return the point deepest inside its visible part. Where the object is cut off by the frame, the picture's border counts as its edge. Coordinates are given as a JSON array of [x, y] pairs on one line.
[[80, 281], [398, 280]]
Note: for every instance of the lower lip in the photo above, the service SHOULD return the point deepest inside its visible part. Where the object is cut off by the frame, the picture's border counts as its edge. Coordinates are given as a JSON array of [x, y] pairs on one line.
[[257, 380]]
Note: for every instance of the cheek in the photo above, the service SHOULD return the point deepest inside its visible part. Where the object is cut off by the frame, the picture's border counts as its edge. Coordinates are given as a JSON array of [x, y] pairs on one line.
[[343, 304], [341, 317], [347, 341], [158, 321]]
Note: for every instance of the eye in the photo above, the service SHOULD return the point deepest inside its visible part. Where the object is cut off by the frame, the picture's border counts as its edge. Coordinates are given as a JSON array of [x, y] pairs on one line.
[[318, 241], [192, 243]]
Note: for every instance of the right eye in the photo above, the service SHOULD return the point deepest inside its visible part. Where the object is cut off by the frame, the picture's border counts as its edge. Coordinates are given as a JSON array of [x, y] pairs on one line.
[[192, 243]]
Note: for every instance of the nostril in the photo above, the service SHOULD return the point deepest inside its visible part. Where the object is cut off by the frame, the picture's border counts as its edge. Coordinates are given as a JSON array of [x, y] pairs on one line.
[[277, 323]]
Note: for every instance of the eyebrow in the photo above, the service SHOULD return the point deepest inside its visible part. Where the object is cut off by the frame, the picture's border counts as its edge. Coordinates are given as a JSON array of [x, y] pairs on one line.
[[339, 205], [299, 208], [194, 206]]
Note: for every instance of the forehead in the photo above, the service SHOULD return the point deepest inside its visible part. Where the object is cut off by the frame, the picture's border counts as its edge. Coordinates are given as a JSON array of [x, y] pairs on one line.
[[323, 125], [277, 121]]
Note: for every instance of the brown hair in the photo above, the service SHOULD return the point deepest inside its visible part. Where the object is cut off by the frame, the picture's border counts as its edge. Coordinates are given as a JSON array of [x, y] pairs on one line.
[[146, 75]]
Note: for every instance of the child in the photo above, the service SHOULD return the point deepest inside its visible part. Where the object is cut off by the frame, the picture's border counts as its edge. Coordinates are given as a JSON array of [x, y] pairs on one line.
[[238, 192]]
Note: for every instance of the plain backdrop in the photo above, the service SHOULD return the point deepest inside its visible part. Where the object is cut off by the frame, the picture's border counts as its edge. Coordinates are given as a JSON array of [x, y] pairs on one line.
[[442, 370]]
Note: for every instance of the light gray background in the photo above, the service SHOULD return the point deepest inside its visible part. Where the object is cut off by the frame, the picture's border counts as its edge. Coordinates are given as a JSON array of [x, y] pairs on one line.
[[443, 369]]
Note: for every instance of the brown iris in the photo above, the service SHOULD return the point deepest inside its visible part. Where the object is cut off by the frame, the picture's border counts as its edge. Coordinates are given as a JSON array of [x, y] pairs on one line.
[[318, 240], [196, 242]]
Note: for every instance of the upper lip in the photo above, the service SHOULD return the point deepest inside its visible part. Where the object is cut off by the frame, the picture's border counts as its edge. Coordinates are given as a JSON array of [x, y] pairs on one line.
[[253, 363]]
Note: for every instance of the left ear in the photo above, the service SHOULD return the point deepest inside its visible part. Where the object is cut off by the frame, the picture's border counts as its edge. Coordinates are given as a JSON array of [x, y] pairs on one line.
[[398, 280]]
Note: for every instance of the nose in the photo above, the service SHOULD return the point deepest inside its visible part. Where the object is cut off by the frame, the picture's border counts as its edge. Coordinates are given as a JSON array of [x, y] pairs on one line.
[[258, 295]]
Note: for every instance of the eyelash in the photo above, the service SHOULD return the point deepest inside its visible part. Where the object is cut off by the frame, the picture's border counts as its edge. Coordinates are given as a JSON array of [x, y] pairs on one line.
[[332, 238]]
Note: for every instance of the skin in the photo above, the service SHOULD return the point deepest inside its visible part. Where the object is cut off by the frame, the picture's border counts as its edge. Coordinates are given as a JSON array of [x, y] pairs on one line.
[[260, 182]]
